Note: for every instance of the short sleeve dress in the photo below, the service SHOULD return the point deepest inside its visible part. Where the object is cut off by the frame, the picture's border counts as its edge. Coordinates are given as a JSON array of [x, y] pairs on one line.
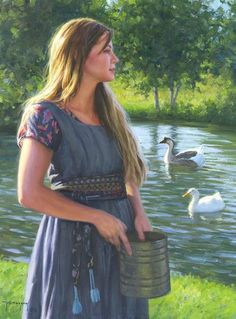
[[78, 150]]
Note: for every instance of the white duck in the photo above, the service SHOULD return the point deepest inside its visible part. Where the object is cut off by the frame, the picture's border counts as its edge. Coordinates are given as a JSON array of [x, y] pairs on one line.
[[207, 204], [192, 157]]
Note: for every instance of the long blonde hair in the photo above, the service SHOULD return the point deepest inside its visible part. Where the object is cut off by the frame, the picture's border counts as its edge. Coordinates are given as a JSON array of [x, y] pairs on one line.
[[68, 51]]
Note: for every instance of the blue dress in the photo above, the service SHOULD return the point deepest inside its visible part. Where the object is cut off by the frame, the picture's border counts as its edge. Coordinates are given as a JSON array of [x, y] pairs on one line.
[[78, 150]]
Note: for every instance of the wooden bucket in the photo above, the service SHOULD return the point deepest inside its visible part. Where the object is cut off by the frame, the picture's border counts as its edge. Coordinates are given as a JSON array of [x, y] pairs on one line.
[[146, 273]]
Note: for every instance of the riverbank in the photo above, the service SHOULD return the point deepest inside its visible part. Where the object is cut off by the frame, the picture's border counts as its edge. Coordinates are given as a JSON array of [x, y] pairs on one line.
[[190, 297], [213, 101]]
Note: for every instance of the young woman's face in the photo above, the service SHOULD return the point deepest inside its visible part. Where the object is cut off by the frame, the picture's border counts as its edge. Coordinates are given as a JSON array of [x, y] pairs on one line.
[[100, 63]]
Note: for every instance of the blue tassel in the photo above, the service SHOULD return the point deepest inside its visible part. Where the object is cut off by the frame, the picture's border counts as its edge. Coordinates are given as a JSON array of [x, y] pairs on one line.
[[95, 295], [94, 292], [77, 307]]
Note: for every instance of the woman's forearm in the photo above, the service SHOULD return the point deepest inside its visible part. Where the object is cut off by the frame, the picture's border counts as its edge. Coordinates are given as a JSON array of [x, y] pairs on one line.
[[135, 198], [141, 221], [33, 194], [44, 200]]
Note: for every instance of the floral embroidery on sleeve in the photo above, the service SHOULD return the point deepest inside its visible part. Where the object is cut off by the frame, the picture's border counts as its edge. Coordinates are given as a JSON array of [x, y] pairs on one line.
[[43, 127]]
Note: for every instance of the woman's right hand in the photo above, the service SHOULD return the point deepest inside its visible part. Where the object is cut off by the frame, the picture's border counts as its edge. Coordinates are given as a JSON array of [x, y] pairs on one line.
[[112, 230]]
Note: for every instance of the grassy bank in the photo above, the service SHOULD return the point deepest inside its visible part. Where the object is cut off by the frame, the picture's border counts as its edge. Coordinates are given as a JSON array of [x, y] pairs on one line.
[[194, 298], [12, 280], [213, 102], [190, 298]]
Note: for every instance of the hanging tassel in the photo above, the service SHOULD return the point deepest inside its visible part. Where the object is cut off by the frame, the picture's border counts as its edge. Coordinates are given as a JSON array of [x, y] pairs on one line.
[[94, 292], [77, 307]]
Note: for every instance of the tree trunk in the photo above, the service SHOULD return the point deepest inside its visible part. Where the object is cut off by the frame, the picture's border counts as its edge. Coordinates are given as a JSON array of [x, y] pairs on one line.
[[38, 5], [156, 99], [172, 97], [178, 86], [171, 87], [174, 91]]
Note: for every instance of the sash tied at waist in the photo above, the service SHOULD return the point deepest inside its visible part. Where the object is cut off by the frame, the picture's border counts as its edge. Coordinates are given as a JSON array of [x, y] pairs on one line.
[[99, 187]]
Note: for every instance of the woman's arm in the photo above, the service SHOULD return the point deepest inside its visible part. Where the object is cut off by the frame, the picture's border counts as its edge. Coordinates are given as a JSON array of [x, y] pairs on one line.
[[142, 222], [32, 193]]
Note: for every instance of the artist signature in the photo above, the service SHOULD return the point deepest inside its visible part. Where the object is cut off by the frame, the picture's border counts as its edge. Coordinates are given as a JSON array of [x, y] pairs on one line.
[[10, 304]]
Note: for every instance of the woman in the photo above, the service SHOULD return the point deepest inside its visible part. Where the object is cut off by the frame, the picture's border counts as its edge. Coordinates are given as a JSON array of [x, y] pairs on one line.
[[75, 129]]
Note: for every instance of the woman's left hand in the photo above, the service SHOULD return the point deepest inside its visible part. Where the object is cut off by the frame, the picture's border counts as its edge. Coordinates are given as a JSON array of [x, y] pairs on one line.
[[142, 224], [141, 221]]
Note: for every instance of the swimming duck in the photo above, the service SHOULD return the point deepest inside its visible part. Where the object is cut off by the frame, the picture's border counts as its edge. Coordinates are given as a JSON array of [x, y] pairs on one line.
[[191, 157], [207, 204]]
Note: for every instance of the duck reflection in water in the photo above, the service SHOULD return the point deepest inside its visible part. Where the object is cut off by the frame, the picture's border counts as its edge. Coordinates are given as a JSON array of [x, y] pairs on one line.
[[197, 217], [175, 171]]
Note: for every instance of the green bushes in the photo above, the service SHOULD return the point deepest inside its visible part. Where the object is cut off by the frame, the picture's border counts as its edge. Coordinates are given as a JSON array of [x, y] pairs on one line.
[[212, 102], [222, 110]]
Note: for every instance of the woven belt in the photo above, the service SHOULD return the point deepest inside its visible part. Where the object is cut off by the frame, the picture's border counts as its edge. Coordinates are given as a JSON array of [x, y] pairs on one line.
[[88, 188]]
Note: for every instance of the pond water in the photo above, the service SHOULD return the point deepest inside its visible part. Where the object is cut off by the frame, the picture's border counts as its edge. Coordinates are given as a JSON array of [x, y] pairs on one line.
[[203, 245]]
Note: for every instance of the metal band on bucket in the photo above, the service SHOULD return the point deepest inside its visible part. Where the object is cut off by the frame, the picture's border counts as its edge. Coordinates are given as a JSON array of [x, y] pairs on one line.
[[146, 272]]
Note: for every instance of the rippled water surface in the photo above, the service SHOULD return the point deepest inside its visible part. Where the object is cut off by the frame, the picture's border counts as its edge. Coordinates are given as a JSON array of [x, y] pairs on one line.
[[202, 244]]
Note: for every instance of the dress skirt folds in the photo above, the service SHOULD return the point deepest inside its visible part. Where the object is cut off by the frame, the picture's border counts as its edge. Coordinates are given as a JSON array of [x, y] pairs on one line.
[[65, 249]]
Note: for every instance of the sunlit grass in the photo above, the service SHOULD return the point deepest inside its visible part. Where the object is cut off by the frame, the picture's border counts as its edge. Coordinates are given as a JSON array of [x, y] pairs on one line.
[[12, 282], [190, 297], [213, 100], [136, 104], [204, 91], [194, 298]]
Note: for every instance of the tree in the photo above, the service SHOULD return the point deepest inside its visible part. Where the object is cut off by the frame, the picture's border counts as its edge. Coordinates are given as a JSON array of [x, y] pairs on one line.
[[223, 52], [25, 29], [163, 42]]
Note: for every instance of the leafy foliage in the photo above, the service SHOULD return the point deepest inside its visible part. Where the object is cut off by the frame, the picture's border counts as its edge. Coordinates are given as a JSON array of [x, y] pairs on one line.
[[25, 29], [164, 42], [212, 101], [224, 48], [161, 44]]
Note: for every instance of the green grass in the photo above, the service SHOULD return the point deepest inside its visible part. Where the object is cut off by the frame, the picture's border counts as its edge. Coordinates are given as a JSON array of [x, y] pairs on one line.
[[212, 101], [194, 298], [136, 104], [190, 297], [12, 281]]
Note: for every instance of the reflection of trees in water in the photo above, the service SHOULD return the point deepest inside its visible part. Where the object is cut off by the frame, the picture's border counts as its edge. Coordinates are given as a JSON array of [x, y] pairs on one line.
[[173, 133], [154, 139]]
